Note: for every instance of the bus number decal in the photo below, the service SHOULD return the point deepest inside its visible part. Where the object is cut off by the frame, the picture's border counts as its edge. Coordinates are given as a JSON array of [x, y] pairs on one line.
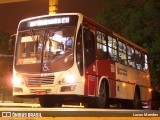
[[112, 68]]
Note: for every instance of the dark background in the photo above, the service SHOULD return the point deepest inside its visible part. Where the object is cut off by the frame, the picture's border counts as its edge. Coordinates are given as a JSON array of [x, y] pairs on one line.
[[12, 13]]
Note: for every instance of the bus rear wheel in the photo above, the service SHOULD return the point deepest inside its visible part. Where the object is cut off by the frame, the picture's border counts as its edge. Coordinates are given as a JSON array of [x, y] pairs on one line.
[[136, 103]]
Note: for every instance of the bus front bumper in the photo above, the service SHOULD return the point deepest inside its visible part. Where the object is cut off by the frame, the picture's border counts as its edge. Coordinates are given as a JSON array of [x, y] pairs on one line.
[[77, 89]]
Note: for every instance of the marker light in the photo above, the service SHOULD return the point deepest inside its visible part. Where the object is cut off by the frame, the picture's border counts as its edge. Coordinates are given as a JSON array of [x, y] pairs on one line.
[[124, 84], [149, 90], [17, 80], [83, 79], [70, 78]]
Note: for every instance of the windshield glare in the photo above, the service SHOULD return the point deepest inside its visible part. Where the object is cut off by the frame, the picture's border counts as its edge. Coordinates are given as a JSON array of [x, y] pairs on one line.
[[48, 44]]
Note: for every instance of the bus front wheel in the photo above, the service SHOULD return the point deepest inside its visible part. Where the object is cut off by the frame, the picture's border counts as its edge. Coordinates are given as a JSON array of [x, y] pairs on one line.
[[102, 100], [48, 101], [45, 102]]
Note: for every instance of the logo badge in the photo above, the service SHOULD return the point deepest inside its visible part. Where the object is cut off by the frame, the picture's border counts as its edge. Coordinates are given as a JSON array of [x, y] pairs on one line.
[[46, 67]]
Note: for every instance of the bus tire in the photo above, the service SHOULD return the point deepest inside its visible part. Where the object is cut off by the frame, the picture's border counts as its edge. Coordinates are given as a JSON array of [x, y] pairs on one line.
[[102, 100], [137, 103], [45, 101], [49, 101]]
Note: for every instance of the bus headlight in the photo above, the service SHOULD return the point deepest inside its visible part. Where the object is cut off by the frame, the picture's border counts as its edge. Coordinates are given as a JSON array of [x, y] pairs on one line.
[[69, 78], [17, 80]]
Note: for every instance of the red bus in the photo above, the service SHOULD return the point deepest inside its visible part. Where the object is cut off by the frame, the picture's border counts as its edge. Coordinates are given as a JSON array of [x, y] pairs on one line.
[[69, 58]]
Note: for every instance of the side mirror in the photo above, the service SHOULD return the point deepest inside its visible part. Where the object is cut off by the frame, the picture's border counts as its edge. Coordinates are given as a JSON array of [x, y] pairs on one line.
[[12, 42]]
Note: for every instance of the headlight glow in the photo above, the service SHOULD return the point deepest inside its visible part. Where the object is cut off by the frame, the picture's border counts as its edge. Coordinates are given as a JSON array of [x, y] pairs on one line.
[[17, 80], [70, 78]]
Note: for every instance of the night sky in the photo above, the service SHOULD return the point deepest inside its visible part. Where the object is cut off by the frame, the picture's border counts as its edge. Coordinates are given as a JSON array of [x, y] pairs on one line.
[[12, 13]]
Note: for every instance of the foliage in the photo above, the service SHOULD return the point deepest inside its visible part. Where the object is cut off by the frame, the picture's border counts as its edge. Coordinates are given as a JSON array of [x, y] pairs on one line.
[[139, 21], [5, 61], [4, 43]]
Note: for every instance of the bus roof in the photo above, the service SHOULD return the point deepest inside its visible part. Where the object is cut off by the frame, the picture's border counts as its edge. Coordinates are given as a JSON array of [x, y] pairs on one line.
[[43, 16], [103, 28]]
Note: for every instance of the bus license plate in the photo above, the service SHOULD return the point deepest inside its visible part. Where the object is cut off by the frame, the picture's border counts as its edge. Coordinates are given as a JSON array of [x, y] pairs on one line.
[[41, 92]]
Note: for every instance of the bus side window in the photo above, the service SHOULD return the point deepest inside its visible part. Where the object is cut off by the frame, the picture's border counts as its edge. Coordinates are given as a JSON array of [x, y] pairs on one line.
[[131, 58], [112, 48], [138, 58], [122, 52], [144, 62], [89, 47], [101, 46]]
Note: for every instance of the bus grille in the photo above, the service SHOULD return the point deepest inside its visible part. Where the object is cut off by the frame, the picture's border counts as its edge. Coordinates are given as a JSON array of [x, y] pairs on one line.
[[36, 81]]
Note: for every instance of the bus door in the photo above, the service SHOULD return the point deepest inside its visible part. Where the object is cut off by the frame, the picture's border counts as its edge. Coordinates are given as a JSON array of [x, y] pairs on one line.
[[89, 60]]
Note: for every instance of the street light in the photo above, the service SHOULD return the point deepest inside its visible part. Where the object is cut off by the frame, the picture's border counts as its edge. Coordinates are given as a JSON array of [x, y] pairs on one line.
[[53, 6]]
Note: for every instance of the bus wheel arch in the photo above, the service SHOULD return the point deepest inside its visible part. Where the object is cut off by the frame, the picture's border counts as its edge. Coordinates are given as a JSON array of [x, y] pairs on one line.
[[136, 103], [103, 93]]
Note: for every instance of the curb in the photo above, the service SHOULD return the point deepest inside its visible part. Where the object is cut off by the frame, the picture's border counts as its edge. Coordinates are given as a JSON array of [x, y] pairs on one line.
[[19, 105]]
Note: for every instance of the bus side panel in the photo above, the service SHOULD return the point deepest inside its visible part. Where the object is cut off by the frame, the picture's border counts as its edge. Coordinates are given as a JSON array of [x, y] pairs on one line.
[[92, 69], [127, 78], [90, 85], [112, 88], [106, 68]]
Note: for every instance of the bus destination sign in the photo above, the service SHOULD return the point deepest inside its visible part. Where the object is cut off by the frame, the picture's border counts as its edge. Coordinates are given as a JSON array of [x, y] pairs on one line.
[[49, 21]]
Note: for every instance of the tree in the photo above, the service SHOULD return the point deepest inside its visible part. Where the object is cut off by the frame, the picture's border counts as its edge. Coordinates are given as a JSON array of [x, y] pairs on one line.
[[4, 42], [5, 64], [139, 21]]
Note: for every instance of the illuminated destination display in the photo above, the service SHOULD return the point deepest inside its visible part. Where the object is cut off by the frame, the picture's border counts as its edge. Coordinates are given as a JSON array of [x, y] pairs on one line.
[[51, 21]]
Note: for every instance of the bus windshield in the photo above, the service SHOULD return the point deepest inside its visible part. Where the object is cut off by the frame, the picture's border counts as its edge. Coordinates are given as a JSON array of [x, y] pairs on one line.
[[52, 45]]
